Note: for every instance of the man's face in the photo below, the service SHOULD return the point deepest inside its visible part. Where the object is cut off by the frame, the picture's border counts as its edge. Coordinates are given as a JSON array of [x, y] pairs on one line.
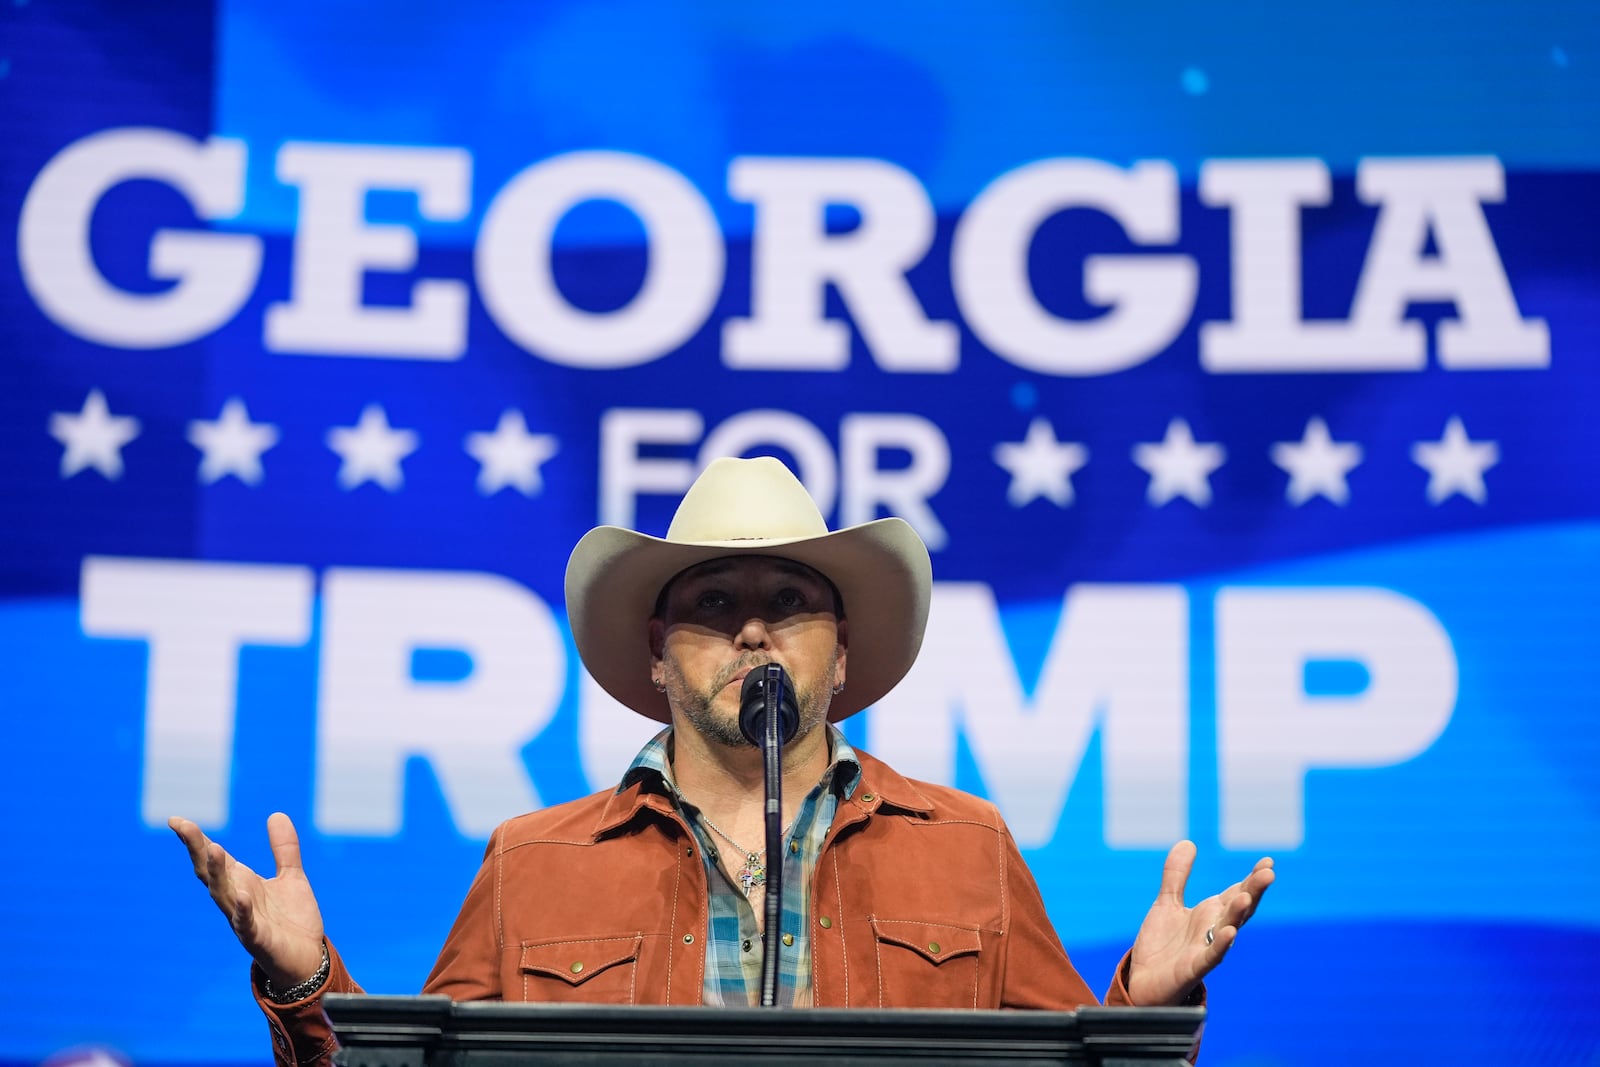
[[724, 618]]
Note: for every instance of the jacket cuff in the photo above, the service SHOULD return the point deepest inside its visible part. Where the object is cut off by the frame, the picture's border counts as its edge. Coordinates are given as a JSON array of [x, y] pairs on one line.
[[301, 1035], [1117, 993], [1117, 996]]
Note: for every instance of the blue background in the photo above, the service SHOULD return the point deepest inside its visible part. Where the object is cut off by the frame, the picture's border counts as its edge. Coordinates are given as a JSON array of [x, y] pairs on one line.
[[1443, 910]]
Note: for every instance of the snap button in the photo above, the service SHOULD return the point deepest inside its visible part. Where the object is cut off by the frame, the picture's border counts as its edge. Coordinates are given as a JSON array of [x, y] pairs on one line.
[[933, 947], [688, 939], [869, 798], [788, 939], [825, 922], [689, 851], [577, 966], [747, 944], [794, 846]]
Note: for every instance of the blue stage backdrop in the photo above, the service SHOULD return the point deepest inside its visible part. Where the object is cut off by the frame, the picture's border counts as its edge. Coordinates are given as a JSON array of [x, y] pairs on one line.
[[1238, 363]]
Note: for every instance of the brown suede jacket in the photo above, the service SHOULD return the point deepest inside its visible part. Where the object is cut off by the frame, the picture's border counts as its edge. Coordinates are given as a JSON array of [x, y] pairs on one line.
[[920, 899]]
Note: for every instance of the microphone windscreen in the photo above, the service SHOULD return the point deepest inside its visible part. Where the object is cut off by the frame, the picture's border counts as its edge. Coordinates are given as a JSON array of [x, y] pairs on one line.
[[753, 703]]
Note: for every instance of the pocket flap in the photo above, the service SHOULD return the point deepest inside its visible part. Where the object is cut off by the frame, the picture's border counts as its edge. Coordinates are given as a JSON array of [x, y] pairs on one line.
[[575, 961], [935, 942]]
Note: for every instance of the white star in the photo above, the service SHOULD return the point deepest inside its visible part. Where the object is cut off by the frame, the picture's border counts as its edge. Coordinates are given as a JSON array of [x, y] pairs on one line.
[[93, 437], [510, 456], [1317, 464], [1040, 465], [1455, 463], [371, 450], [1178, 466], [232, 444]]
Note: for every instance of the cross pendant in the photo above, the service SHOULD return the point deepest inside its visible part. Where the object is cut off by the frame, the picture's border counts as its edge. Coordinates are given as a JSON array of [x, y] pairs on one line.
[[753, 873]]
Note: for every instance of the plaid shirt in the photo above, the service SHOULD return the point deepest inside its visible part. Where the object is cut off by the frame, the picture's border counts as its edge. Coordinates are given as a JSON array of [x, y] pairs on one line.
[[733, 941]]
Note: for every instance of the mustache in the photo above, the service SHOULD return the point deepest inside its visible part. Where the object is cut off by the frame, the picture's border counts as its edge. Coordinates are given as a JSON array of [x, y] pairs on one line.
[[744, 663]]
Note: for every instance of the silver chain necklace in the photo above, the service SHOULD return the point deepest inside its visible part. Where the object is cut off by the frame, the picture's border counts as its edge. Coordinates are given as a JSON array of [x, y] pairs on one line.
[[754, 871]]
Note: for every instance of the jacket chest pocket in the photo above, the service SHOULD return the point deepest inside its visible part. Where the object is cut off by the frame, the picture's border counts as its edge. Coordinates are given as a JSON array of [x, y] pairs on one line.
[[597, 970], [926, 965]]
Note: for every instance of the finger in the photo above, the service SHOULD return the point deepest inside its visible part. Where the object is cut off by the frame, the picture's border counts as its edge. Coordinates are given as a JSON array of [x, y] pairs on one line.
[[1254, 883], [218, 879], [1261, 876], [1236, 910], [1222, 938], [194, 840], [1175, 872], [242, 917], [285, 842], [1254, 887]]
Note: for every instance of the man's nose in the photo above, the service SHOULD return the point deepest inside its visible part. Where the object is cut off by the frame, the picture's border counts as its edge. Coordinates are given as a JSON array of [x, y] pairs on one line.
[[753, 634]]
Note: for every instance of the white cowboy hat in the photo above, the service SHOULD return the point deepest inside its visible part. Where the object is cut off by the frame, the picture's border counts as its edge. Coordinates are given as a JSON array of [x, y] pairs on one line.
[[749, 507]]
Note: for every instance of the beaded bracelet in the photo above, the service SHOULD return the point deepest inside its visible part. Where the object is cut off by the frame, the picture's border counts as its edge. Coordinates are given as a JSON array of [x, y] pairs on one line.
[[304, 989]]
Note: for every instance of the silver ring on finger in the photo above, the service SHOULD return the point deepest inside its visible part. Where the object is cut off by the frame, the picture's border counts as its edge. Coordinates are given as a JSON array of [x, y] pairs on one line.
[[1211, 935]]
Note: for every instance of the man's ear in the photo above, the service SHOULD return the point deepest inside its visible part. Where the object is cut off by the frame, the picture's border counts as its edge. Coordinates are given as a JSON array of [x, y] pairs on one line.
[[844, 648], [658, 640]]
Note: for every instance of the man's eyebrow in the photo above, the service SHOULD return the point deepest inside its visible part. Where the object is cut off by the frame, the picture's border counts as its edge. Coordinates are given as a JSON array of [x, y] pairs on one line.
[[709, 569]]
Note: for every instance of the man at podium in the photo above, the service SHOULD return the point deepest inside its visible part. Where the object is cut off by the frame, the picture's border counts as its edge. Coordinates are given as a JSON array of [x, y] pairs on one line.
[[895, 893]]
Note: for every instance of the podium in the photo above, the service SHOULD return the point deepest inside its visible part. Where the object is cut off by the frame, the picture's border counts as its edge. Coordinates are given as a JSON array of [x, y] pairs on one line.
[[378, 1031]]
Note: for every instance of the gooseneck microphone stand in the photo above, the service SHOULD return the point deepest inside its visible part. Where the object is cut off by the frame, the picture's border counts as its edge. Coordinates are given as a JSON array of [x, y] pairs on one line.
[[768, 716]]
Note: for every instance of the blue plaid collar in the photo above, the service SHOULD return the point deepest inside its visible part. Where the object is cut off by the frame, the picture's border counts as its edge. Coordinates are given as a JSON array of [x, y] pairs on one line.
[[651, 769]]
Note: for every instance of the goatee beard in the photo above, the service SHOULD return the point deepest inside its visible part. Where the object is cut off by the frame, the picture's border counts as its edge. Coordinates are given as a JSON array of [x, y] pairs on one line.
[[696, 706]]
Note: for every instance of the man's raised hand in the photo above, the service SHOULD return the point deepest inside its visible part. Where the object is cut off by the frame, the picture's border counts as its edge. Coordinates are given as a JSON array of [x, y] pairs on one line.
[[276, 919], [1178, 946]]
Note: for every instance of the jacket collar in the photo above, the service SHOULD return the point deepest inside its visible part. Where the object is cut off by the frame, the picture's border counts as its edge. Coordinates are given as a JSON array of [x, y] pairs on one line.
[[647, 787], [882, 786], [630, 802]]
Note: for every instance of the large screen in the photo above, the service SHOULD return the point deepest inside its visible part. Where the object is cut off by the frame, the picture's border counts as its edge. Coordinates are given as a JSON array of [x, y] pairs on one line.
[[1238, 364]]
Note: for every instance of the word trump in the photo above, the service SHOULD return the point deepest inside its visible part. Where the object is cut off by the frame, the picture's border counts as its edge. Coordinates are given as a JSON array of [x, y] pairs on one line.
[[1118, 665], [1147, 297]]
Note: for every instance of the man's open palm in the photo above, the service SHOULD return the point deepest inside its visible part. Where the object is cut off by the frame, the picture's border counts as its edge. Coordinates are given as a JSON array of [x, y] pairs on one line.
[[276, 919], [1173, 953]]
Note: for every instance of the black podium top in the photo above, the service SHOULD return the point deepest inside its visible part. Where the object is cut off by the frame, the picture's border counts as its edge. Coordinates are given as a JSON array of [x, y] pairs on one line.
[[438, 1032]]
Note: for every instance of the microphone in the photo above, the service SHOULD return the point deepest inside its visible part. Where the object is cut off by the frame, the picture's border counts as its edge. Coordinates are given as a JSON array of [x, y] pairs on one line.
[[769, 716], [753, 704]]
